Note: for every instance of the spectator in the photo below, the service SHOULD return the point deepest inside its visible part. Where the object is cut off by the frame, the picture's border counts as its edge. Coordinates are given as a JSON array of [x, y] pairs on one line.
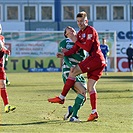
[[129, 53], [105, 50]]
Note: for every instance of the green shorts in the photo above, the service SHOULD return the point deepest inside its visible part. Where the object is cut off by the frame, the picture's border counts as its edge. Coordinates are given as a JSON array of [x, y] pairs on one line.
[[79, 78]]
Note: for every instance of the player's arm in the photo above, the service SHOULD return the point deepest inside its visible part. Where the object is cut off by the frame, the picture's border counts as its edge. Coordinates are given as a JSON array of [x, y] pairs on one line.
[[108, 54], [77, 57], [6, 57], [73, 50], [3, 48], [91, 35], [108, 51], [60, 46]]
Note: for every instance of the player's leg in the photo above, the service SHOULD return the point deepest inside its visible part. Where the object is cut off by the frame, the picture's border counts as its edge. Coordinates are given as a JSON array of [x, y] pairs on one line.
[[4, 97], [69, 84], [93, 99], [71, 79], [91, 65], [106, 70], [4, 94], [60, 99], [106, 60], [129, 63], [78, 69], [79, 101], [7, 81], [93, 78], [6, 61]]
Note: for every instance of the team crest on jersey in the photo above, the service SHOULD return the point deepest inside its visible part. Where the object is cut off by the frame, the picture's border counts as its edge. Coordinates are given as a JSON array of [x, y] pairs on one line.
[[89, 36], [83, 35]]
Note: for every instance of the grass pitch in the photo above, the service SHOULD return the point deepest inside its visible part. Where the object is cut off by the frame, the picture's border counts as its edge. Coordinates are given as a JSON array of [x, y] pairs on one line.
[[29, 93]]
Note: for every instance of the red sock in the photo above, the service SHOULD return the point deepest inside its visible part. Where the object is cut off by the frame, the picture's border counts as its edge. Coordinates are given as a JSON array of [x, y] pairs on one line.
[[93, 99], [69, 83], [4, 96]]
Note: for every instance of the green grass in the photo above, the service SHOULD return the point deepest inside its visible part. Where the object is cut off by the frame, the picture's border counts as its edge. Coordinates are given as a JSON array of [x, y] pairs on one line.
[[30, 91]]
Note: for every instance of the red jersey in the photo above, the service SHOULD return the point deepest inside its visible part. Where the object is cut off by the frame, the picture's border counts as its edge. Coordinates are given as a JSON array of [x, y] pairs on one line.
[[2, 55], [2, 38], [94, 64], [88, 40]]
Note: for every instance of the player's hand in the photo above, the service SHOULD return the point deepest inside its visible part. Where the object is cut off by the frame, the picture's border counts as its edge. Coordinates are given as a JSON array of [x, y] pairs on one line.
[[7, 52], [60, 55], [64, 50], [72, 68]]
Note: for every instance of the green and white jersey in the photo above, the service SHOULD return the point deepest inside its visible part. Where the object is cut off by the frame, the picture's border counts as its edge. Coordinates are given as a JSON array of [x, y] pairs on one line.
[[72, 60], [75, 58]]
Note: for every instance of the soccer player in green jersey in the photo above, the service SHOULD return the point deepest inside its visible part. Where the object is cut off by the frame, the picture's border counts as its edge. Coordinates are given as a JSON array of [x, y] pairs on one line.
[[80, 84], [5, 64]]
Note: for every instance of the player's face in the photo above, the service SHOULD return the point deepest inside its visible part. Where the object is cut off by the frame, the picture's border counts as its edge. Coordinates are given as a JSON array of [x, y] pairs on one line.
[[104, 41], [70, 31], [82, 22]]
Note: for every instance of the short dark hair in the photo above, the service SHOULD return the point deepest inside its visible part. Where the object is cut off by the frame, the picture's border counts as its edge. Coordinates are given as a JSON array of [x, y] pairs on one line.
[[65, 33], [82, 14], [65, 30]]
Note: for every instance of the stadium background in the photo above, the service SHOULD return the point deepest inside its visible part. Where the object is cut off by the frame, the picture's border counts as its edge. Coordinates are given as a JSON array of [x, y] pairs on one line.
[[55, 15]]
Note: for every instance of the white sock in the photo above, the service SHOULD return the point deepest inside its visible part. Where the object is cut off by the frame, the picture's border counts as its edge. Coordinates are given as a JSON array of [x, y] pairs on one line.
[[93, 111], [61, 96]]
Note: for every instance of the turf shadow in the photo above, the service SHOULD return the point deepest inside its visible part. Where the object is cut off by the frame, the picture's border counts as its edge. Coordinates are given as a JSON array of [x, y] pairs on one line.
[[35, 123]]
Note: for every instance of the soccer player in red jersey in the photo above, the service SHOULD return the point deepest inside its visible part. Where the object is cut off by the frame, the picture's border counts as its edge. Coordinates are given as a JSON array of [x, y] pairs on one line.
[[87, 39], [3, 92]]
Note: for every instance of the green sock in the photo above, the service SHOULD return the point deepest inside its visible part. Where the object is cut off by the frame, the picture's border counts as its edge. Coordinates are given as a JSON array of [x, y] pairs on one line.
[[79, 101], [6, 79], [71, 110]]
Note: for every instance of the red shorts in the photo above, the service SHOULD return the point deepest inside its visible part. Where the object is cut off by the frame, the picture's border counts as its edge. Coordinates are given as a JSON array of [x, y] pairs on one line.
[[93, 66]]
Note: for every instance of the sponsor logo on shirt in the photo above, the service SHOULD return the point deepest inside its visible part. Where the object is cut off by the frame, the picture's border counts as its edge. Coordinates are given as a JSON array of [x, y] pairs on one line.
[[89, 36]]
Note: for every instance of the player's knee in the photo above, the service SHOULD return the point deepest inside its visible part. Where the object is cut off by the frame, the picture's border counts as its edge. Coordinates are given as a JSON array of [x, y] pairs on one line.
[[83, 92], [2, 84], [74, 71]]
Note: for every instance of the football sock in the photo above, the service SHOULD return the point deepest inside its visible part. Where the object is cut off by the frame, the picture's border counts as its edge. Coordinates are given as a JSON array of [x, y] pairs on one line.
[[61, 97], [69, 83], [93, 111], [105, 68], [79, 101], [93, 100], [4, 96], [6, 80]]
